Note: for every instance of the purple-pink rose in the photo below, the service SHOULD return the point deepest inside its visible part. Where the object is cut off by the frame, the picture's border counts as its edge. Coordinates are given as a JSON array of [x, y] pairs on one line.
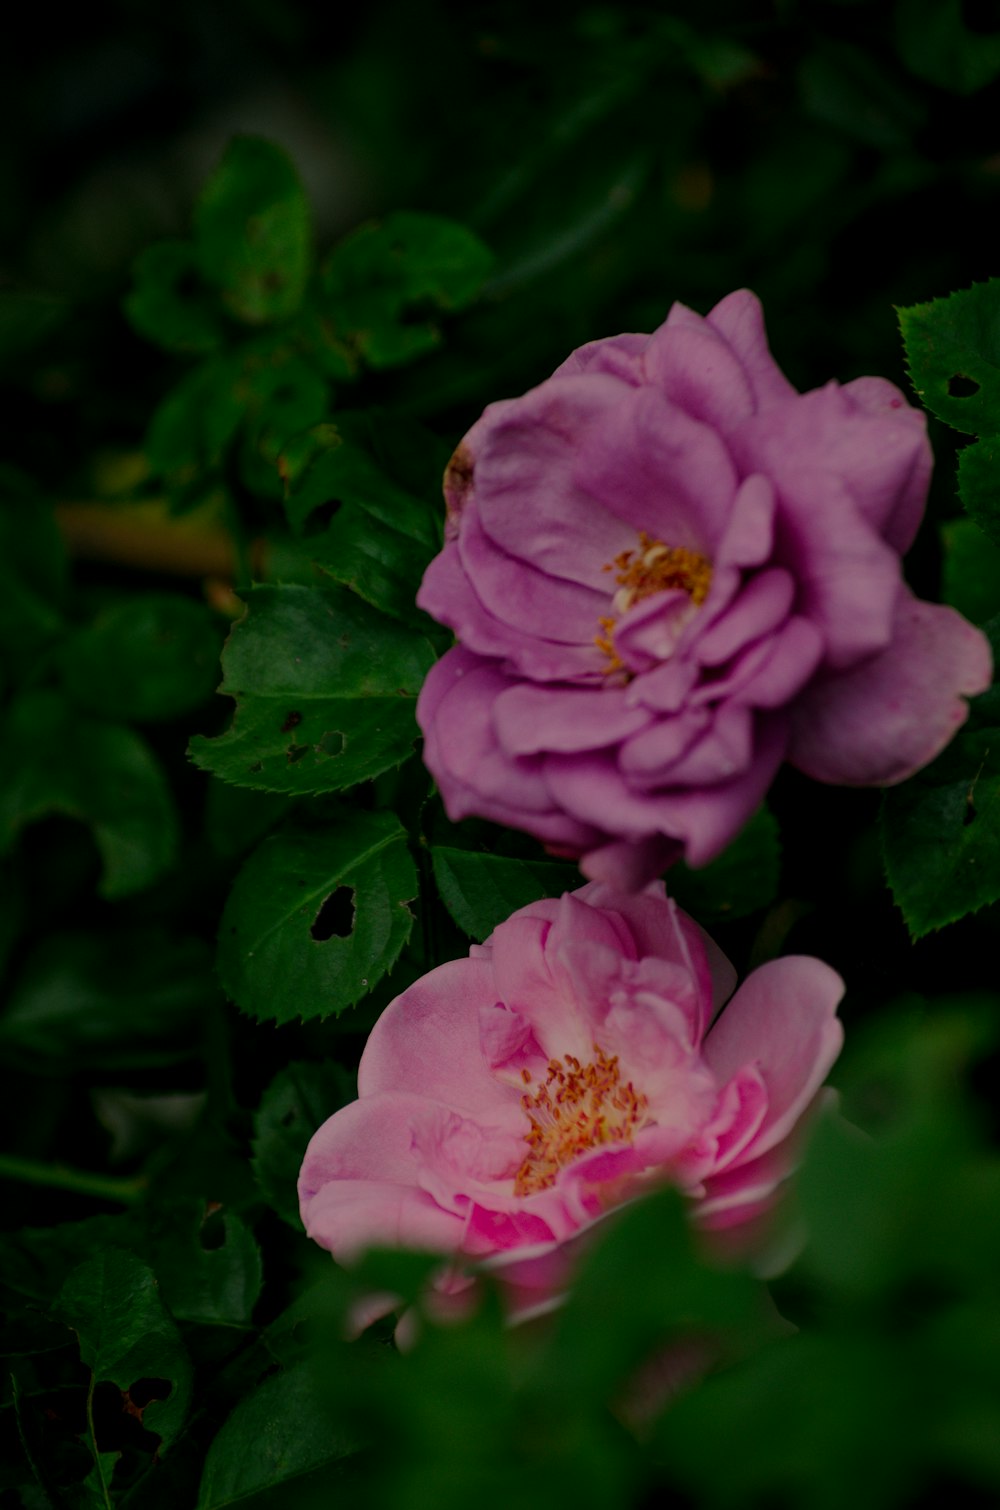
[[508, 1100], [668, 571]]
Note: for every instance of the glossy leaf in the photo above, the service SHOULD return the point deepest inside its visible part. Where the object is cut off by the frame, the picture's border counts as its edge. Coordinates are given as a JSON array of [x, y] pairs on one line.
[[144, 659], [274, 1438], [481, 891], [953, 354], [317, 916], [381, 479], [325, 690], [253, 233], [55, 761], [112, 1302]]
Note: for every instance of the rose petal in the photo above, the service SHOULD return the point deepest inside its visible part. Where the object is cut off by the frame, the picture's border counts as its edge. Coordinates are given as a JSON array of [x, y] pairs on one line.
[[883, 720]]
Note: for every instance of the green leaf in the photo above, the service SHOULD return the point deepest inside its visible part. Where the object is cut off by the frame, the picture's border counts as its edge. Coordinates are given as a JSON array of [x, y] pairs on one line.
[[743, 879], [971, 569], [112, 1302], [317, 916], [979, 484], [953, 355], [194, 426], [169, 304], [253, 232], [298, 1100], [382, 477], [117, 999], [324, 687], [145, 658], [941, 829], [481, 891], [237, 819], [55, 761], [37, 1261], [379, 280], [272, 1440], [33, 574], [208, 1263], [935, 43]]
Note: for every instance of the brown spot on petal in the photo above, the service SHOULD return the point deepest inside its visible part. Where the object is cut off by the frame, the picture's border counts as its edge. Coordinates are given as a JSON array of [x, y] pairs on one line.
[[458, 482]]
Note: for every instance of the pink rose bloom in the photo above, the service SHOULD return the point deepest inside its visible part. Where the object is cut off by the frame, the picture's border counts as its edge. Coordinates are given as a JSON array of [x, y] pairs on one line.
[[668, 571], [508, 1100]]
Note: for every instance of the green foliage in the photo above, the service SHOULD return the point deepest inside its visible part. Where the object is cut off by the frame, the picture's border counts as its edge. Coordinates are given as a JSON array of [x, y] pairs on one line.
[[378, 278], [56, 761], [381, 476], [939, 830], [126, 1335], [744, 878], [971, 571], [297, 1102], [317, 916], [144, 659], [275, 1439], [937, 44], [253, 233], [953, 353], [166, 304], [120, 999], [482, 890], [324, 687], [303, 382]]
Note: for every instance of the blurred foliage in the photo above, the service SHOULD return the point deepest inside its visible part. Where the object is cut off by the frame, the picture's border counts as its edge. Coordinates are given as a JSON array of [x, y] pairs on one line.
[[261, 267]]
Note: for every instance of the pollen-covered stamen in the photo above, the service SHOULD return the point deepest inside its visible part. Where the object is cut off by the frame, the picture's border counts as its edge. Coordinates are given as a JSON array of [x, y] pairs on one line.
[[580, 1107], [655, 567]]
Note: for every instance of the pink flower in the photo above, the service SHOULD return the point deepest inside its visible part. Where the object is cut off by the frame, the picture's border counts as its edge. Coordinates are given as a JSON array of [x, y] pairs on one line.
[[507, 1101], [668, 571]]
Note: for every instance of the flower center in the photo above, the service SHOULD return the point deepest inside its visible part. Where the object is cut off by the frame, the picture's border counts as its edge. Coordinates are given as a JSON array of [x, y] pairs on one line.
[[579, 1107], [654, 567]]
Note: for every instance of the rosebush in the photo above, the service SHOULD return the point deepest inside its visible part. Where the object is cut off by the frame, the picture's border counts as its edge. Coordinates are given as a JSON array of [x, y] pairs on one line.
[[508, 1100], [668, 571]]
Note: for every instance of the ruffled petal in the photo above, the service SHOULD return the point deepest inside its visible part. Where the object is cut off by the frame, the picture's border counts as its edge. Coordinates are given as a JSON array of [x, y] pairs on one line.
[[881, 721]]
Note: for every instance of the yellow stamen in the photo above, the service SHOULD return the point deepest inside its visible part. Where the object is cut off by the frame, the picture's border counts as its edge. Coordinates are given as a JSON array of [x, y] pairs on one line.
[[580, 1107], [655, 567]]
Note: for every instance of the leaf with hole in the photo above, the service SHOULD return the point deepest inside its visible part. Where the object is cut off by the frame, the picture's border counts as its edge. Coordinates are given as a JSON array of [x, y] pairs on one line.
[[113, 1304], [169, 303], [941, 829], [325, 689], [252, 232], [297, 1101], [53, 760], [207, 1261], [953, 356], [379, 479], [317, 916], [383, 277], [277, 1439]]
